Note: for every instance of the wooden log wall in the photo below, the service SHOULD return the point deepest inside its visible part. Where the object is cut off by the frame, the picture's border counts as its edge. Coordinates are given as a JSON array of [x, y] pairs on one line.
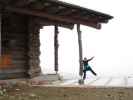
[[14, 46], [20, 46]]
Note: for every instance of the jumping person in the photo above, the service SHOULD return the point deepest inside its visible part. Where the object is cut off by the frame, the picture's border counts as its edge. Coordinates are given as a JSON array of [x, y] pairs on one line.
[[87, 67]]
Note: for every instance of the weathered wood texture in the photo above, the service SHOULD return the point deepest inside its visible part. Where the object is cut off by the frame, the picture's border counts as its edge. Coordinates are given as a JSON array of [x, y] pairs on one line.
[[57, 11], [0, 31], [56, 46], [34, 48], [21, 45], [14, 46], [80, 50]]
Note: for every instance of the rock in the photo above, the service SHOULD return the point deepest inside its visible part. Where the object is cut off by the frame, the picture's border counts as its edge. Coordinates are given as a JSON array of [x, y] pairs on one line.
[[32, 95]]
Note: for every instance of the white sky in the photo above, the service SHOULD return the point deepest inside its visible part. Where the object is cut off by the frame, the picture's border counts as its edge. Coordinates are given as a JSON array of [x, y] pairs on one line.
[[111, 46]]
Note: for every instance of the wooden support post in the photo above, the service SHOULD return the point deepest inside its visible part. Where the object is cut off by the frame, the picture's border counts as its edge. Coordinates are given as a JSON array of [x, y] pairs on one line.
[[80, 50], [56, 46], [0, 34]]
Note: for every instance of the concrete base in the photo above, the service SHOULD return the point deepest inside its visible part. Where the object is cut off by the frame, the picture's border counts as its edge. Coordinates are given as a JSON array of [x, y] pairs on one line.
[[81, 81], [48, 77]]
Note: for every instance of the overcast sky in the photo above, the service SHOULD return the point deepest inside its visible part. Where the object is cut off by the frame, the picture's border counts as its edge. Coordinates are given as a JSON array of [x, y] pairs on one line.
[[112, 46]]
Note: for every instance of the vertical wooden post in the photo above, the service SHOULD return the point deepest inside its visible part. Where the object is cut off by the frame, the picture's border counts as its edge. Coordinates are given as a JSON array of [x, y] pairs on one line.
[[80, 50], [0, 33], [56, 46]]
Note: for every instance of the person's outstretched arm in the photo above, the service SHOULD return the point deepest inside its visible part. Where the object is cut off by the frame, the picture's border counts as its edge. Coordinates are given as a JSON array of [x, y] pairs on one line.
[[90, 59]]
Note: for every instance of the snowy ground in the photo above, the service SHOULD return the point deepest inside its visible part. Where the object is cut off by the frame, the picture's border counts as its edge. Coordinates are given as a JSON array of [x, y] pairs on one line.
[[106, 81], [100, 80]]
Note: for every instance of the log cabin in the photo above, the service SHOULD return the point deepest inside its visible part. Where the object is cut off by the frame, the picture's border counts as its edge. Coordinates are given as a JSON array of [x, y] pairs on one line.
[[20, 24]]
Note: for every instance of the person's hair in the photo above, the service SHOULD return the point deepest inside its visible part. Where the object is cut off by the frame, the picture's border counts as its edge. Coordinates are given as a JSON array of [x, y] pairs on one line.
[[85, 58]]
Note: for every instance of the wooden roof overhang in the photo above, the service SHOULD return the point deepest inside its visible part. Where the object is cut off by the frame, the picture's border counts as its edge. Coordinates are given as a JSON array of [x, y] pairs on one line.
[[56, 12]]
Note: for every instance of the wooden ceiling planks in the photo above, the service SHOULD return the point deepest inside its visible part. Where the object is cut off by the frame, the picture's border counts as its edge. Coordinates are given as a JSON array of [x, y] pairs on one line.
[[52, 17], [58, 11]]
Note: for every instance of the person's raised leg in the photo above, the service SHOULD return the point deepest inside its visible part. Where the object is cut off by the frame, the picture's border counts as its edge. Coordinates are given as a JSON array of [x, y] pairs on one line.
[[93, 72]]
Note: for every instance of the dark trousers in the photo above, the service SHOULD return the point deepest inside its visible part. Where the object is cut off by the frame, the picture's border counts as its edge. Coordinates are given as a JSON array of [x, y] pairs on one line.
[[90, 69]]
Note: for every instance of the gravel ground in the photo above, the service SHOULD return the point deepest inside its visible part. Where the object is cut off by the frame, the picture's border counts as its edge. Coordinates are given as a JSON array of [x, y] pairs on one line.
[[28, 92]]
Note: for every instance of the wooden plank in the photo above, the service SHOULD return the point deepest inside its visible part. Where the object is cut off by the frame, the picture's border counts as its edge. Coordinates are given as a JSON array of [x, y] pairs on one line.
[[13, 73], [21, 3], [66, 12], [61, 9]]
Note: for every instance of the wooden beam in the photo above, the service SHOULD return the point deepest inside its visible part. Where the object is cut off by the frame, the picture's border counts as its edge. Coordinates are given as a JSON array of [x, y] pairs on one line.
[[68, 5], [21, 3], [89, 22], [66, 12], [85, 17], [56, 46], [12, 2], [47, 22], [80, 50], [51, 9], [61, 9]]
